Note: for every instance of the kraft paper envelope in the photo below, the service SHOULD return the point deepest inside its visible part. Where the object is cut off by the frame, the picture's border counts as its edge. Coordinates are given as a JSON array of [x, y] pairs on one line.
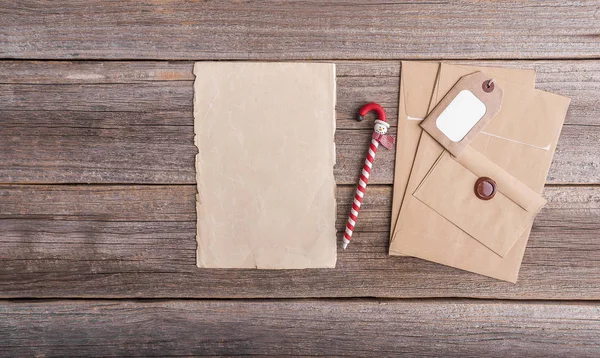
[[447, 189], [266, 190], [417, 84], [519, 141], [417, 80]]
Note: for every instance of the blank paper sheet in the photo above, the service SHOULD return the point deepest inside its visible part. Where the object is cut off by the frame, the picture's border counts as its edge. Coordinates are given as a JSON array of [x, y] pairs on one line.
[[264, 169]]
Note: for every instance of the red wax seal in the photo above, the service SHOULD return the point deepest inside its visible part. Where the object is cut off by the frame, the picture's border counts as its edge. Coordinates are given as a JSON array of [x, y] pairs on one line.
[[485, 188]]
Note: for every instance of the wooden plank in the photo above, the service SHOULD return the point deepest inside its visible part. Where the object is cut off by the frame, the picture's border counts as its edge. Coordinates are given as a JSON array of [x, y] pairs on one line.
[[139, 241], [96, 147], [358, 82], [131, 122], [214, 30], [94, 72], [90, 150], [447, 328]]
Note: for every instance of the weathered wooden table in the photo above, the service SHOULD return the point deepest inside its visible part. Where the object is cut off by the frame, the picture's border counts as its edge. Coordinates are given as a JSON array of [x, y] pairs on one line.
[[97, 216]]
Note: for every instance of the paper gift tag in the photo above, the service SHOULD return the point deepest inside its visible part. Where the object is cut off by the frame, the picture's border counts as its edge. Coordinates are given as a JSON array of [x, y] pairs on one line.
[[465, 110]]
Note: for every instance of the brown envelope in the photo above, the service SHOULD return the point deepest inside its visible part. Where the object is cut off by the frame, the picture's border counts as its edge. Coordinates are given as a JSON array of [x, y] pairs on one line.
[[497, 223], [520, 142], [418, 81]]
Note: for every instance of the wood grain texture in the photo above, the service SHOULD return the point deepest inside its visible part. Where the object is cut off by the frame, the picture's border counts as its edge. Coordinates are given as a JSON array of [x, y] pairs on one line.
[[139, 241], [131, 122], [211, 30], [358, 82], [124, 123], [309, 327]]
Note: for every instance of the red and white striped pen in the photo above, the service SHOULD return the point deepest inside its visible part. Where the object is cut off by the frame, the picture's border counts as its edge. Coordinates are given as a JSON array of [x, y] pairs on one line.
[[379, 136]]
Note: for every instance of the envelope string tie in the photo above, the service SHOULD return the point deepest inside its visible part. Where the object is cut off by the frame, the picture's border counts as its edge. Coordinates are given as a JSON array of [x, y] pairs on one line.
[[379, 137]]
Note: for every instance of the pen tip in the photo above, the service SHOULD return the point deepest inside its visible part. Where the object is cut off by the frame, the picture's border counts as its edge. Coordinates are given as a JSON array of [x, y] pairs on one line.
[[345, 245]]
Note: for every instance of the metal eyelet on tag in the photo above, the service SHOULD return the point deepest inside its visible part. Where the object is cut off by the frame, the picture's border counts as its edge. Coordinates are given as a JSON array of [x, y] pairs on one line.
[[488, 86]]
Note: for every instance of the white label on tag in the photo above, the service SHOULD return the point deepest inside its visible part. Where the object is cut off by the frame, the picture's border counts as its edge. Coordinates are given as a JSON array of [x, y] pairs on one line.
[[461, 115]]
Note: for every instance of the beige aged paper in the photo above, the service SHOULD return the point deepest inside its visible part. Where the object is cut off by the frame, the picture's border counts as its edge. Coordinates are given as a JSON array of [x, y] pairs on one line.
[[264, 169]]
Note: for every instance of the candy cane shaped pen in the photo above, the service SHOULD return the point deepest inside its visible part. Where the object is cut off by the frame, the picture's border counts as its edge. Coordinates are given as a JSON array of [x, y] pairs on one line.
[[379, 136]]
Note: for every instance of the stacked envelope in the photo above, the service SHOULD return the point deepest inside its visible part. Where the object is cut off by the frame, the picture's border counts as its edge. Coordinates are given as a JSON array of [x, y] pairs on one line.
[[437, 212]]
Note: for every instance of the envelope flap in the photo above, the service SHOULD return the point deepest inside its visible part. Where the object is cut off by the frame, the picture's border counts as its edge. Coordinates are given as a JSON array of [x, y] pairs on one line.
[[419, 77], [449, 189]]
